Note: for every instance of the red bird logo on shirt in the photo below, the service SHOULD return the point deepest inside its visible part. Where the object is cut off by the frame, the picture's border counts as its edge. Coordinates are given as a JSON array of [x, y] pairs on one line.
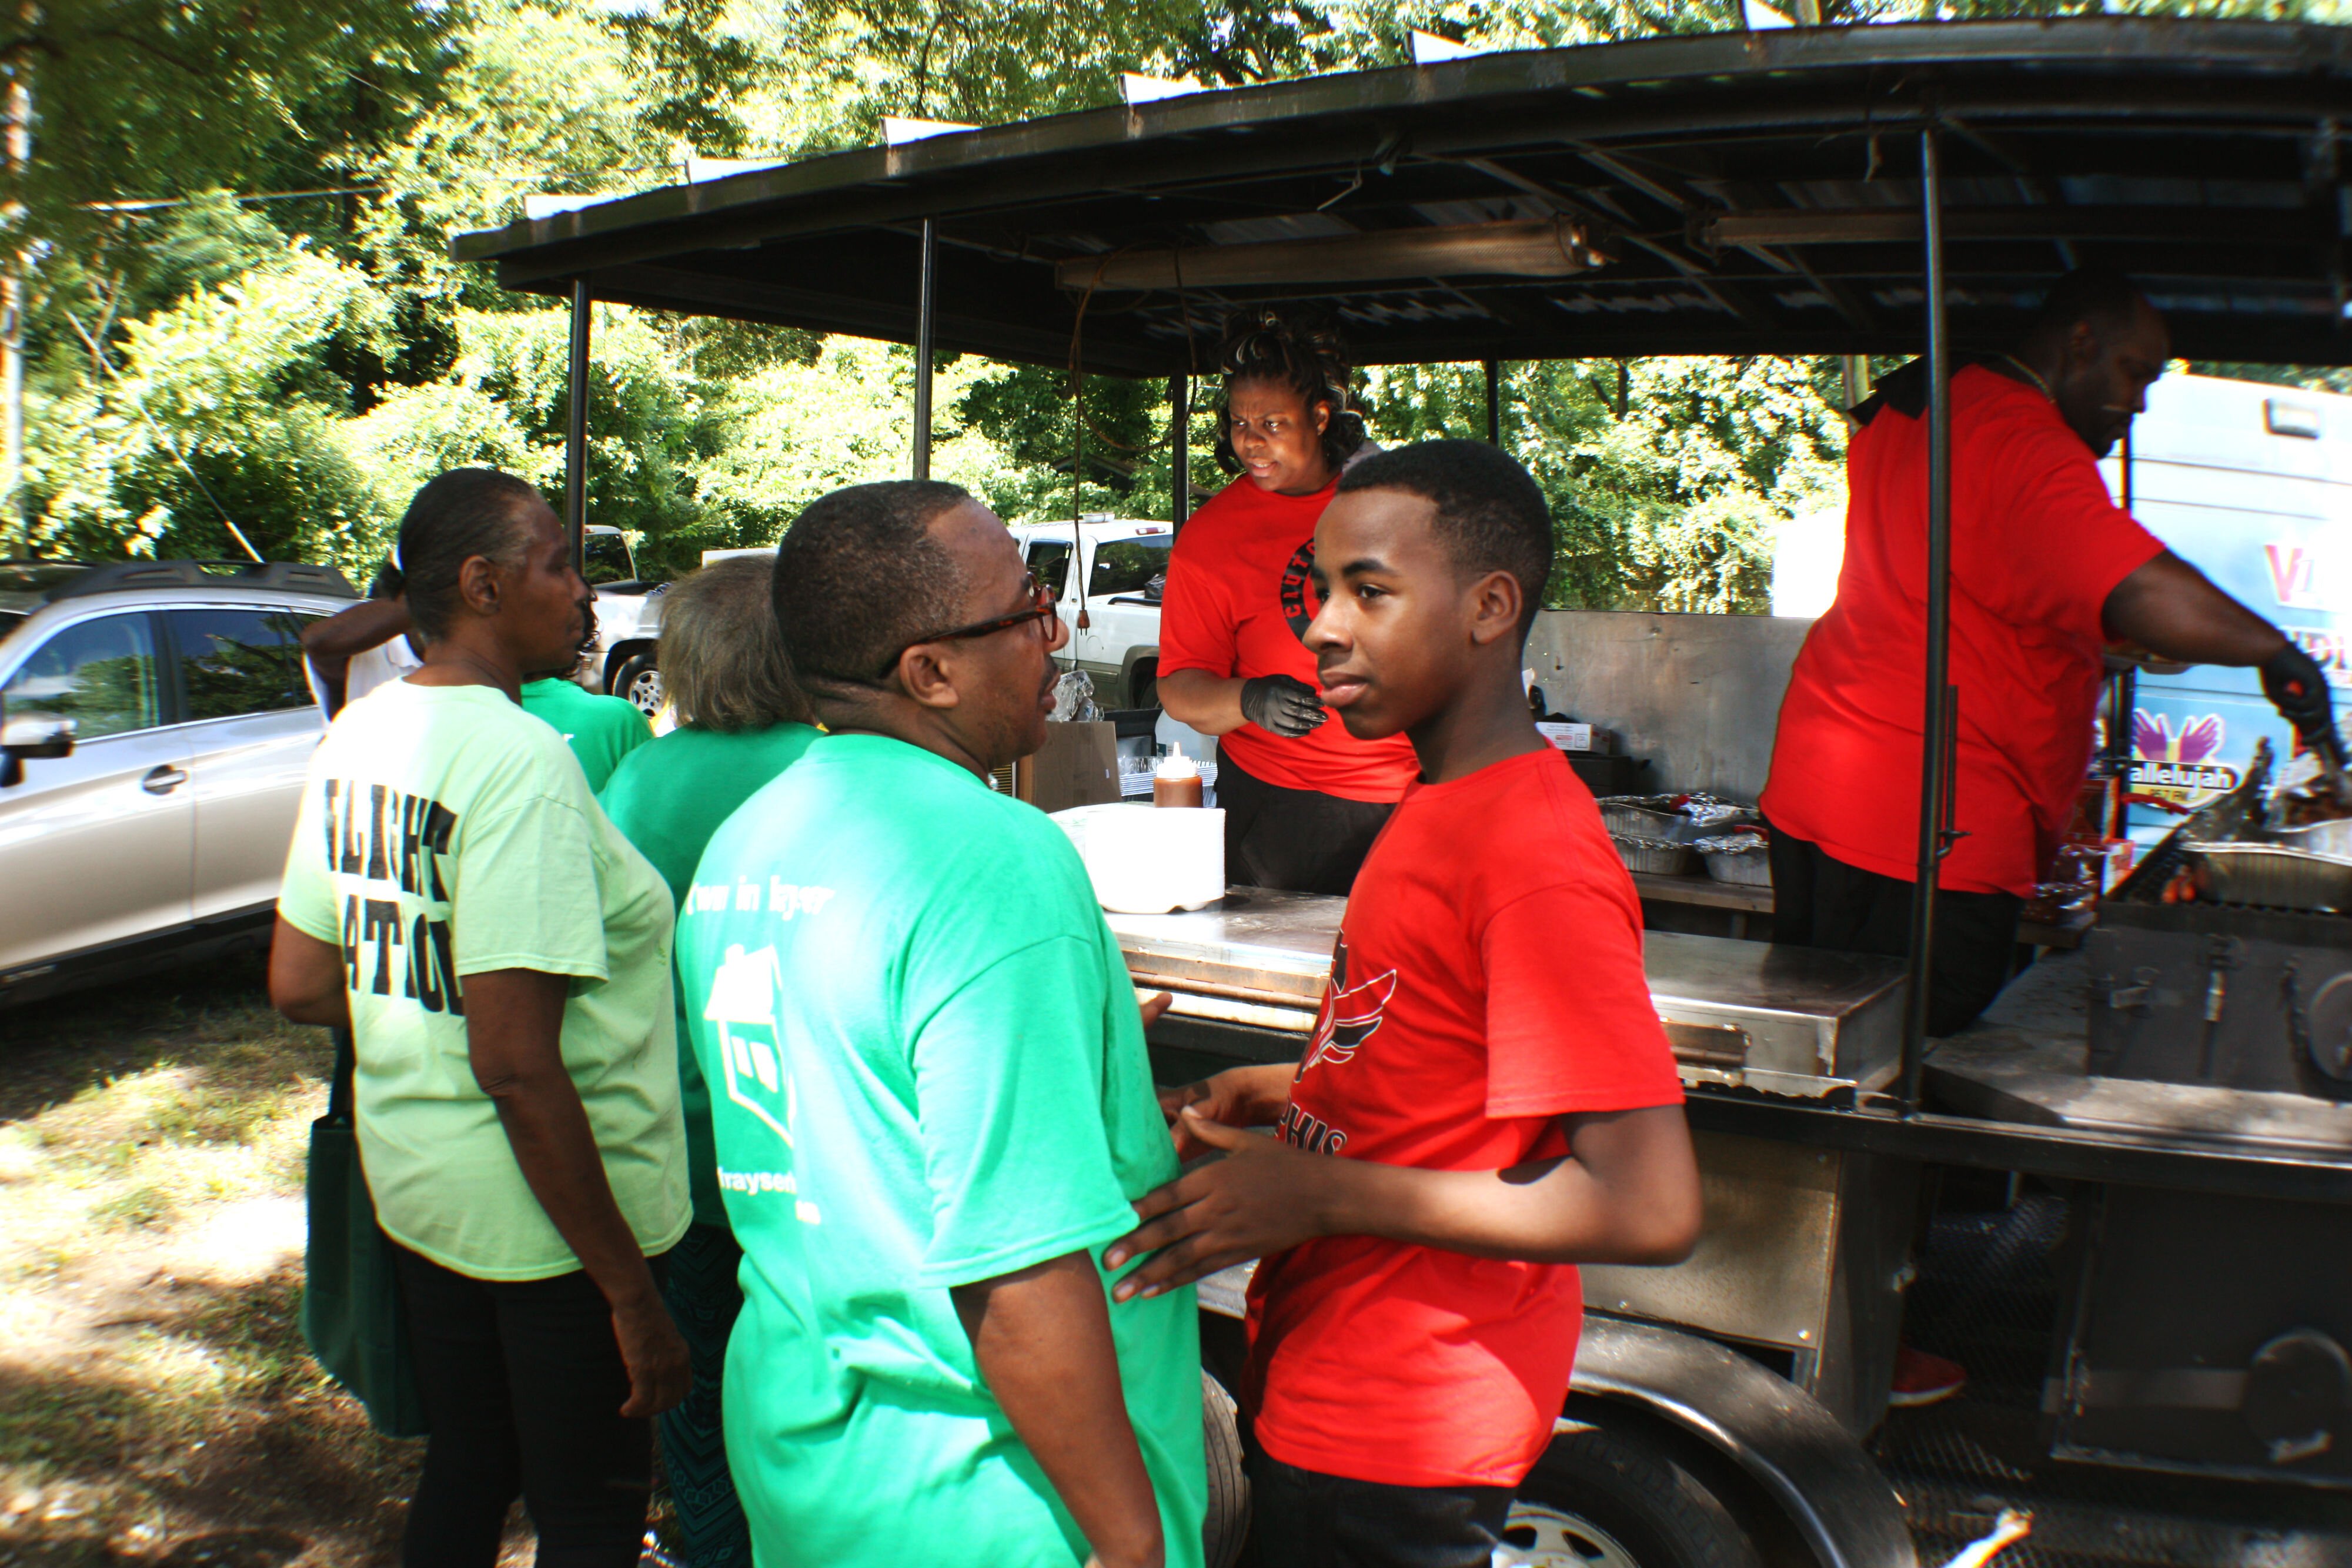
[[1351, 1013]]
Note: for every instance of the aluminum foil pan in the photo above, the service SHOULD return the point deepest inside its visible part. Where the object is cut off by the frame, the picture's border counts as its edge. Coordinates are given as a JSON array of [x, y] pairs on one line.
[[1642, 821], [2274, 877], [1747, 867], [2320, 838], [1661, 856]]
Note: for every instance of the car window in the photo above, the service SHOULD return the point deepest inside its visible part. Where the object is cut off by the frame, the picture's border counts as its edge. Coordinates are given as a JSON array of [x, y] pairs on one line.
[[236, 661], [1130, 566], [1050, 563], [604, 558], [100, 674]]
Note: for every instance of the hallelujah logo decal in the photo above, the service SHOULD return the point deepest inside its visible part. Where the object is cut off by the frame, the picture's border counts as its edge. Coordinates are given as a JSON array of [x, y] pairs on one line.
[[2183, 769]]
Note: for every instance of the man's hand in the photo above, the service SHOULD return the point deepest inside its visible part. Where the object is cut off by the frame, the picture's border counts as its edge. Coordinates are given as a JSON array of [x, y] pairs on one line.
[[1282, 705], [1152, 1004], [660, 1374], [1262, 1196], [2298, 689]]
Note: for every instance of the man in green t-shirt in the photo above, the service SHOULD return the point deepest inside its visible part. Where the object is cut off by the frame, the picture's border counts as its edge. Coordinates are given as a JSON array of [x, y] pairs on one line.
[[931, 1098], [599, 730]]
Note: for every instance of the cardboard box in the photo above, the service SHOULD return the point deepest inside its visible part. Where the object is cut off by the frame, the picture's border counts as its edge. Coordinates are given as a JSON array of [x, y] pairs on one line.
[[1077, 766], [1576, 736]]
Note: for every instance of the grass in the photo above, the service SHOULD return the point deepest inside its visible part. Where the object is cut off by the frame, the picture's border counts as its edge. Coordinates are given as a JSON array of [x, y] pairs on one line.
[[157, 1406]]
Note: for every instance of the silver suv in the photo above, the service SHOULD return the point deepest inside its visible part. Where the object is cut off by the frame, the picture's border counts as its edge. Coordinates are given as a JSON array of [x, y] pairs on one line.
[[155, 724]]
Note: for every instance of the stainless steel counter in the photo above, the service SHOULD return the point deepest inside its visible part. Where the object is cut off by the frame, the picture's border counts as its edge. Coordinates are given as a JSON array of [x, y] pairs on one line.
[[1788, 1020]]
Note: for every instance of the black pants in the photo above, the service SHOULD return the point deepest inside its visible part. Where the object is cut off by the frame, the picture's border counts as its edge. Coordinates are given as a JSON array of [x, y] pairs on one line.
[[1818, 901], [1302, 1518], [1294, 839], [524, 1384]]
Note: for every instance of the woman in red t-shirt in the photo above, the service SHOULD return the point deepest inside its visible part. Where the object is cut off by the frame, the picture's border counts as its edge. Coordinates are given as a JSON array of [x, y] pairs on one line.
[[1303, 799]]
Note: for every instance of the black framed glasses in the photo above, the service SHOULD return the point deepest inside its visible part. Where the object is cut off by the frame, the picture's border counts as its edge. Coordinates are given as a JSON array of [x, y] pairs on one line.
[[1041, 606]]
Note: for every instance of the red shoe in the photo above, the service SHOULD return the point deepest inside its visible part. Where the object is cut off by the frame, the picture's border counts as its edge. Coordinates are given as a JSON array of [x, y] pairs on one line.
[[1924, 1379]]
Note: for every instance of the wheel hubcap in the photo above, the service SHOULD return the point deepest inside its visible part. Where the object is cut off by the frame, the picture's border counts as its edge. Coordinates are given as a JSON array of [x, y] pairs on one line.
[[646, 691], [1538, 1535]]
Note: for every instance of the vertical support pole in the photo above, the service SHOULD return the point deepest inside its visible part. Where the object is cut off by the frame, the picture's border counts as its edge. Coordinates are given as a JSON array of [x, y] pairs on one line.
[[1937, 737], [1493, 404], [1180, 449], [575, 428], [17, 145], [923, 358], [1856, 371]]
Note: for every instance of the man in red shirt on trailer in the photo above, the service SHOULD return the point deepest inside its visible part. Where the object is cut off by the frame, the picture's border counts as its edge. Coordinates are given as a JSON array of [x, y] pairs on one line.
[[2046, 572], [1488, 1100]]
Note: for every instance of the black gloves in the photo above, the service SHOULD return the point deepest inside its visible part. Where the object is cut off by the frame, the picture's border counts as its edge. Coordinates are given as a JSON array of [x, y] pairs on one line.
[[2297, 687], [1283, 704]]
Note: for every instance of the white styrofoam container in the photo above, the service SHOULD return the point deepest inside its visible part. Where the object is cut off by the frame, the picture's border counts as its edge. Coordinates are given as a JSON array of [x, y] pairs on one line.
[[1149, 860]]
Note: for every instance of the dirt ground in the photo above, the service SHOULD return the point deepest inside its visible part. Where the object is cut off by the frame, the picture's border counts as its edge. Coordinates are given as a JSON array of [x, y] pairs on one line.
[[157, 1406]]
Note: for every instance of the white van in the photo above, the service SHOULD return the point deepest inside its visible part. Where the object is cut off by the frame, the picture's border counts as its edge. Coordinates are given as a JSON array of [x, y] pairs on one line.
[[1124, 565]]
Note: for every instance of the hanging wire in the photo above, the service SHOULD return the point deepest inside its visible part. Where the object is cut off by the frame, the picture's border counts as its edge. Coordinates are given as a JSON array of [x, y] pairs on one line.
[[165, 436]]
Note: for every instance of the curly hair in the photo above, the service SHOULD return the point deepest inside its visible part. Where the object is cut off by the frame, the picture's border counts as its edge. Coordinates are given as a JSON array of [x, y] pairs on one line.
[[1301, 352]]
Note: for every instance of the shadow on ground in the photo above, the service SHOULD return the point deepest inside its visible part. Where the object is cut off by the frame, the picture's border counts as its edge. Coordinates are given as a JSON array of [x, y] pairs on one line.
[[52, 1051]]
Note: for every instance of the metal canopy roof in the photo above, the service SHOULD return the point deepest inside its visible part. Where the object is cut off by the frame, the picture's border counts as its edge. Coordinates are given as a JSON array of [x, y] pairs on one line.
[[1742, 192]]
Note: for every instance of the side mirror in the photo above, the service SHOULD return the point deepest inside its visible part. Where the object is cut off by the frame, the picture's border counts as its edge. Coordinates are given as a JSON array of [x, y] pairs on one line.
[[32, 737]]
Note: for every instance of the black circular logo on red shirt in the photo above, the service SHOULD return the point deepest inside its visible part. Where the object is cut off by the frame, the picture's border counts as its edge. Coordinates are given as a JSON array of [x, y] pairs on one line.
[[1299, 599]]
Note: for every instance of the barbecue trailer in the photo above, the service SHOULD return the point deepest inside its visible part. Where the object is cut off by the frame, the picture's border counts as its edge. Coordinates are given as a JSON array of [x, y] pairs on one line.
[[2164, 1377]]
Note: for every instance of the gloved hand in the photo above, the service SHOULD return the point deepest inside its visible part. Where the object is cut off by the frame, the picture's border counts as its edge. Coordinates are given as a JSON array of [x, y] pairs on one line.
[[2297, 687], [1282, 705]]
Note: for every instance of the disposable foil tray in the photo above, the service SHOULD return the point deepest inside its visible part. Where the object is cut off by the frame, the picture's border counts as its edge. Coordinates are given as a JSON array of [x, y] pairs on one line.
[[1657, 855], [2274, 877]]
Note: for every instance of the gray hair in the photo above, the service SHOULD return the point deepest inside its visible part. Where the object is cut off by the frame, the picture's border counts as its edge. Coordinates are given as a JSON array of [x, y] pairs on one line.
[[722, 660]]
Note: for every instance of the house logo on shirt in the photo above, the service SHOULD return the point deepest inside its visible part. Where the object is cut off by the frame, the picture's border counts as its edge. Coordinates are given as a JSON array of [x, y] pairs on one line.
[[743, 1005], [1351, 1013]]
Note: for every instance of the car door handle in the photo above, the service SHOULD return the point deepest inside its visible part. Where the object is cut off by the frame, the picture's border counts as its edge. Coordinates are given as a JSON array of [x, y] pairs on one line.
[[163, 780]]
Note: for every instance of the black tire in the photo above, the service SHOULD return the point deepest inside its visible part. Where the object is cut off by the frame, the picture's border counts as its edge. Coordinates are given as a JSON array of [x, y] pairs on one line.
[[639, 680], [1226, 1525], [1143, 686], [1615, 1498]]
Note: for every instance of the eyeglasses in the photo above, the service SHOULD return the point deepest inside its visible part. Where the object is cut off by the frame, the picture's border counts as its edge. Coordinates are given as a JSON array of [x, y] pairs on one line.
[[1041, 607]]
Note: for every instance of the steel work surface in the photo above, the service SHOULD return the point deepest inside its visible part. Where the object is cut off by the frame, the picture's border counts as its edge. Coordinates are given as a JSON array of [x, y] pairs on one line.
[[2025, 1060], [1792, 1020]]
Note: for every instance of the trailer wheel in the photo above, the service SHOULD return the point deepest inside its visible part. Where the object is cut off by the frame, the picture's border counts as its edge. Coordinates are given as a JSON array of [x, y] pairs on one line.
[[639, 680], [1226, 1526], [1600, 1498]]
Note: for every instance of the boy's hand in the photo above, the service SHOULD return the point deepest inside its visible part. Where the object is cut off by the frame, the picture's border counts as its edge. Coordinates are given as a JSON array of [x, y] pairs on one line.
[[1262, 1196], [1237, 1097]]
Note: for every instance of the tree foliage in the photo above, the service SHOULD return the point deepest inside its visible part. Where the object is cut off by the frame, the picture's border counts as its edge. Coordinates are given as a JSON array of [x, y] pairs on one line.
[[296, 365]]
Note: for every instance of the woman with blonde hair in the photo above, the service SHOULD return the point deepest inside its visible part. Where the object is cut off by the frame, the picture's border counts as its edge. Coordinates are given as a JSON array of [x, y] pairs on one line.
[[741, 721]]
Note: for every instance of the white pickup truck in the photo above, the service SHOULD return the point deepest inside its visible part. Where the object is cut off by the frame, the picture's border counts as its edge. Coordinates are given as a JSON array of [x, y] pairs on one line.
[[1123, 566], [627, 620]]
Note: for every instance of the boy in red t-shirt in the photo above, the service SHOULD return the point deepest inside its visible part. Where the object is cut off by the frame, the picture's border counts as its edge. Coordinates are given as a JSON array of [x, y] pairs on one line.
[[1488, 1099]]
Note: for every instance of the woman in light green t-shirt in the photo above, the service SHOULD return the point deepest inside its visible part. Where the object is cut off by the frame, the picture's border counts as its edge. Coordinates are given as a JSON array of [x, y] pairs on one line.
[[742, 720], [501, 955]]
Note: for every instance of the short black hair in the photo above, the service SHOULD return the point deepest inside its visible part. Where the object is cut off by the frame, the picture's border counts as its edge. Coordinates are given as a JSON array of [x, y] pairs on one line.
[[859, 576], [1490, 511], [2098, 297], [464, 513]]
